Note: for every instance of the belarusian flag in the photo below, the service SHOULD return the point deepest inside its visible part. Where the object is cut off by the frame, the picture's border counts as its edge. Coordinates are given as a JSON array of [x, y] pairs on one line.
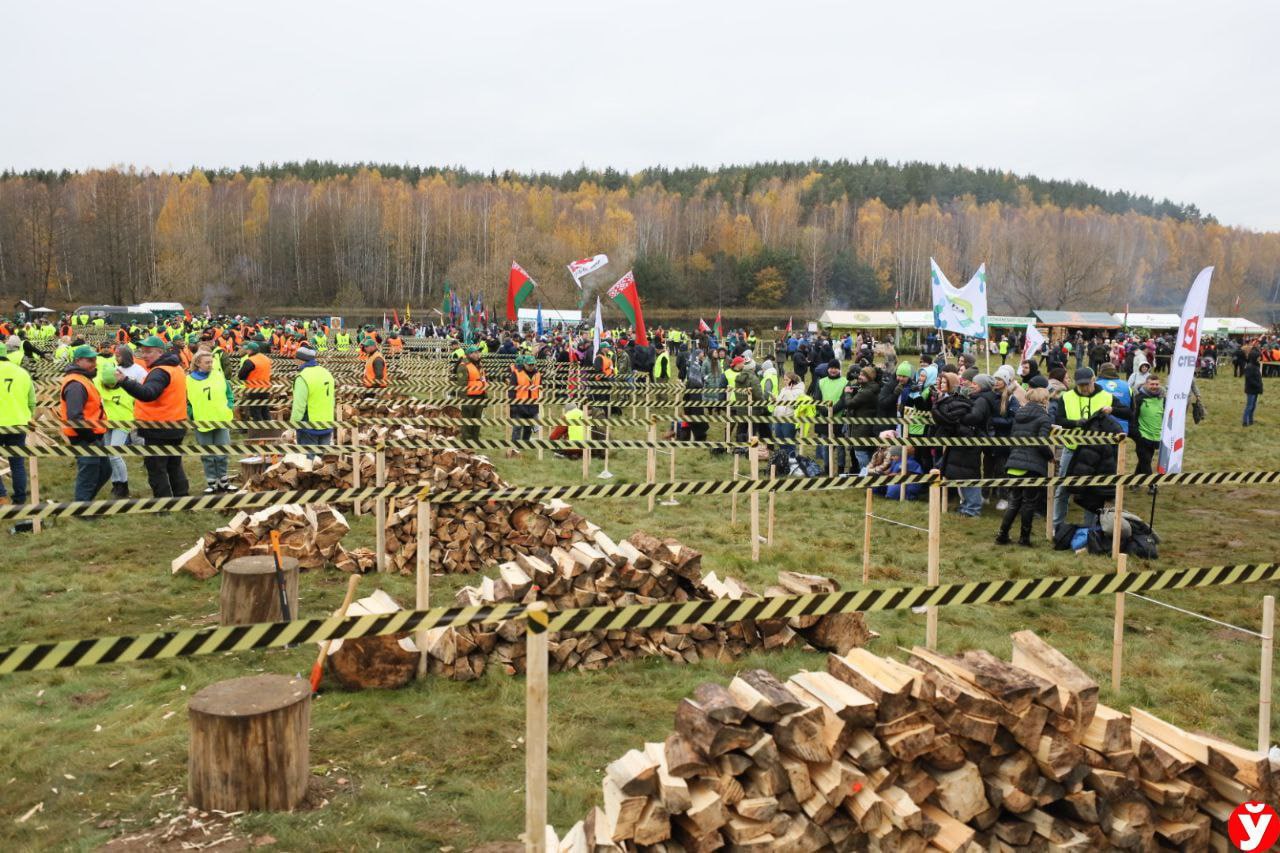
[[789, 324], [519, 286], [702, 325], [719, 328], [627, 297]]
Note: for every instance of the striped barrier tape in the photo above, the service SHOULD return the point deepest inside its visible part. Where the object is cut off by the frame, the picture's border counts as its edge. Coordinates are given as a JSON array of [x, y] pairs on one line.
[[261, 500], [435, 421], [66, 654], [443, 442]]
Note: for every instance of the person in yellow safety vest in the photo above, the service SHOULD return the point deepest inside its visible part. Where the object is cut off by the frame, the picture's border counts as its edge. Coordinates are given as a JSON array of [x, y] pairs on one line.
[[474, 384], [313, 398], [574, 431], [209, 399], [342, 341], [1076, 409], [99, 322], [1004, 348], [14, 349], [831, 388], [769, 385], [662, 366], [63, 352], [321, 341], [17, 404], [731, 379], [115, 360]]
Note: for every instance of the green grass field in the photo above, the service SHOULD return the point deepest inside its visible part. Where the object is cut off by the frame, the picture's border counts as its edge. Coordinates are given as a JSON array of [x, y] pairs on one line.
[[440, 764]]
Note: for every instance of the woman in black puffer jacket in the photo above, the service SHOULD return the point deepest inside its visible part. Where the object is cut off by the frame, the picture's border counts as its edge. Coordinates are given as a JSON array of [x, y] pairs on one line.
[[1031, 421], [951, 413]]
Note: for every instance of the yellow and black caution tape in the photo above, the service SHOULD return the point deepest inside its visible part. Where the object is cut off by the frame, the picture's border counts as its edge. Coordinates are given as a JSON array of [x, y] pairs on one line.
[[260, 500], [65, 654]]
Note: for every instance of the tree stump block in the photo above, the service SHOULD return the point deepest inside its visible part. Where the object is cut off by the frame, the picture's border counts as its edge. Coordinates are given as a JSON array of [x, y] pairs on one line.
[[249, 744], [249, 592], [251, 467]]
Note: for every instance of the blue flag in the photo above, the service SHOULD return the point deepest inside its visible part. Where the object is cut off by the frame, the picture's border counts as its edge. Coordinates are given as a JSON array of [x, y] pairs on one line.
[[539, 319]]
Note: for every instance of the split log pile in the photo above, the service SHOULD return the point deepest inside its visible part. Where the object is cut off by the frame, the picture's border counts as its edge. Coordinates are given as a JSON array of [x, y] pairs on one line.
[[396, 407], [599, 572], [965, 753], [311, 534]]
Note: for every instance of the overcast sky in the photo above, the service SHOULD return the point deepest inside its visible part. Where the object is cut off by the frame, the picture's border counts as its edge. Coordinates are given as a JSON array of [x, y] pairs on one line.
[[1169, 98]]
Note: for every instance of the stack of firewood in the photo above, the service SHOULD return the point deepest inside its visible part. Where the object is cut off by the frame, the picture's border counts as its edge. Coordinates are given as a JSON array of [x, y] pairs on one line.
[[310, 533], [599, 572], [395, 407], [468, 537], [963, 752]]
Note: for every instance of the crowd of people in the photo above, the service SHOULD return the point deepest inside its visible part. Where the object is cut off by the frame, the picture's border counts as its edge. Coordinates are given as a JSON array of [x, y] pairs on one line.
[[181, 370]]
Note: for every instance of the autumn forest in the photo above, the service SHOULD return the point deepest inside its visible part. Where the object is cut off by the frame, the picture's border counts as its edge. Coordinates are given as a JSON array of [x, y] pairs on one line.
[[770, 236]]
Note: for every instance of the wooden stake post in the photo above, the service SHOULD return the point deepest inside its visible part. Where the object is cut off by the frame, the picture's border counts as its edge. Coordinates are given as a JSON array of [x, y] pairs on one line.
[[755, 504], [33, 486], [651, 460], [1048, 506], [831, 434], [773, 476], [902, 469], [1117, 629], [1119, 514], [935, 544], [380, 511], [535, 735], [1264, 689], [866, 540], [586, 451], [422, 599]]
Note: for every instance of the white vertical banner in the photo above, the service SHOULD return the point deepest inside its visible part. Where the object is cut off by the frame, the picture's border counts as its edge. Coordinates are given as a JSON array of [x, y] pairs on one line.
[[960, 309], [1182, 371], [1034, 340], [597, 332]]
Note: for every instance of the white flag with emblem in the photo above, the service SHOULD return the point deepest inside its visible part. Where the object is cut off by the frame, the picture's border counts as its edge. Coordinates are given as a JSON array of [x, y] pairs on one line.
[[583, 266], [960, 309], [1182, 372], [1034, 340]]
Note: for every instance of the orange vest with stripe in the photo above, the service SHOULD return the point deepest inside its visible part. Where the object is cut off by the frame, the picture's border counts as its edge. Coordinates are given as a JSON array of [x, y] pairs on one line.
[[171, 405], [93, 411], [370, 381], [528, 388]]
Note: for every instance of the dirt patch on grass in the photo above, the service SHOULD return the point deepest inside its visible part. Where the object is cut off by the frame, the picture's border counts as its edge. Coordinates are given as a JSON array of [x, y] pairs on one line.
[[93, 697]]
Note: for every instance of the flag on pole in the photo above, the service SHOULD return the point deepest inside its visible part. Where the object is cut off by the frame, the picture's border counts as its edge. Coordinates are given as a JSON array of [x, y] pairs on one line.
[[719, 327], [1032, 343], [960, 309], [395, 317], [1235, 308], [1182, 372], [539, 319], [1126, 315], [597, 330], [519, 286], [408, 316], [789, 319], [466, 327], [702, 325], [626, 296], [580, 268]]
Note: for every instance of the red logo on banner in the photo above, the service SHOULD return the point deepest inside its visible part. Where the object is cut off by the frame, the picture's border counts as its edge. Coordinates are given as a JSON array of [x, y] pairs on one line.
[[1253, 827], [1177, 445], [1191, 334]]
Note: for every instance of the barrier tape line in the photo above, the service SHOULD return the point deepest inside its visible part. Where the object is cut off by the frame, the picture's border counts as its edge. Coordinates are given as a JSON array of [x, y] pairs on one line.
[[443, 442], [260, 500], [66, 654]]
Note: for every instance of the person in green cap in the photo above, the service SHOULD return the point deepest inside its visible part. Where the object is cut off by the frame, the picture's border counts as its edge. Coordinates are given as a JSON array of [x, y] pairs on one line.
[[79, 400], [526, 391], [473, 385], [313, 398]]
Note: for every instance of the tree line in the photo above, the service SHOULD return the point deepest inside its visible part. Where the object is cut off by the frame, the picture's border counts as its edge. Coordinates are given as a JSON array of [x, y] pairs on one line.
[[775, 235]]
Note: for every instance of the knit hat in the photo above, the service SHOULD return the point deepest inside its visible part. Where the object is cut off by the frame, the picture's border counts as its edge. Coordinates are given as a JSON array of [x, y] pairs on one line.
[[14, 342], [1006, 373], [1039, 381], [969, 374], [768, 365], [984, 381], [152, 342], [304, 354], [84, 351], [904, 369], [1108, 371], [737, 362], [1084, 374]]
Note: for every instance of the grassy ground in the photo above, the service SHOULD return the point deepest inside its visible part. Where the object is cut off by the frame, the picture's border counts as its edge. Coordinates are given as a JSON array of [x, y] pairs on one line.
[[439, 763]]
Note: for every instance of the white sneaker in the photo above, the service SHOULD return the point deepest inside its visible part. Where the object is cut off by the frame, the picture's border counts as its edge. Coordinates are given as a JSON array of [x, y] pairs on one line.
[[1002, 504]]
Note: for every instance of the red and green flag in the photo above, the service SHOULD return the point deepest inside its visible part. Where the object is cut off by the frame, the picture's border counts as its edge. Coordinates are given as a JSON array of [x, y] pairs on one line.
[[719, 328], [519, 287], [627, 297]]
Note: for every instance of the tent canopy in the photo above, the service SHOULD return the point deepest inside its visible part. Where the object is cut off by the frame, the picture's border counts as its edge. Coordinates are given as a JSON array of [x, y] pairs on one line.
[[549, 316], [1230, 326], [858, 319], [914, 319], [1140, 320], [1077, 319]]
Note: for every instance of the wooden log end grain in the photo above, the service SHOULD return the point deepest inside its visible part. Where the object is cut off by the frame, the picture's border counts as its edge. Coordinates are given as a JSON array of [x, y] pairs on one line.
[[249, 746], [249, 592]]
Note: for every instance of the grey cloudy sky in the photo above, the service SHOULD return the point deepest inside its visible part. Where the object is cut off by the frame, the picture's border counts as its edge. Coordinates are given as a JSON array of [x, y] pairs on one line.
[[1171, 98]]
